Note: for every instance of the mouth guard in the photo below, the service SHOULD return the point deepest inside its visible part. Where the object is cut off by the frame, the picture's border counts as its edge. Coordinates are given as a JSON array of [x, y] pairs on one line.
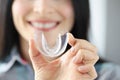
[[55, 51]]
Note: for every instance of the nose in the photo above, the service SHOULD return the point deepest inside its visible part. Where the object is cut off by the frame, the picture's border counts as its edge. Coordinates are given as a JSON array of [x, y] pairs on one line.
[[42, 6]]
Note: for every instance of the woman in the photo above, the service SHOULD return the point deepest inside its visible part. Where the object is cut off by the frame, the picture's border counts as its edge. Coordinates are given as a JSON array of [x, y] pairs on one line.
[[19, 19]]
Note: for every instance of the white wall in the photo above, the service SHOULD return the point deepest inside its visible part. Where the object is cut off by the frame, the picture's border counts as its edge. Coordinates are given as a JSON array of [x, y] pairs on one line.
[[98, 24], [113, 31], [105, 28]]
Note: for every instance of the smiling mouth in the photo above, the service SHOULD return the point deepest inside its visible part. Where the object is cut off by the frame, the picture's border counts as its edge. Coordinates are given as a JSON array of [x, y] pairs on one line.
[[44, 26]]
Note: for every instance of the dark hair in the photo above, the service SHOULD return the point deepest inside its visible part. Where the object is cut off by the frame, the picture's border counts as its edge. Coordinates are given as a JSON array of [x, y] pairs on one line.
[[10, 37]]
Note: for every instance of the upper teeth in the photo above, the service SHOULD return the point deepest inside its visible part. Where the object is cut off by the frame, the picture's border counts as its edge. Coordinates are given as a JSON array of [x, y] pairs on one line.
[[44, 25]]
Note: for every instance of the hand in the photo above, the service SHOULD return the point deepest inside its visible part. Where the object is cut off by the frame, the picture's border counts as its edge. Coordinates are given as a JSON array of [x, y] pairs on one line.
[[76, 64]]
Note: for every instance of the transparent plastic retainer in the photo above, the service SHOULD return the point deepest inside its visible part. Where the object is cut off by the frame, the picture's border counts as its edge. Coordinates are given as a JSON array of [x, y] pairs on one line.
[[51, 52]]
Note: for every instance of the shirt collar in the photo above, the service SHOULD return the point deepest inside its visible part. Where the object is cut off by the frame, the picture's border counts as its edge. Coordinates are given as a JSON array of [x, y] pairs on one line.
[[9, 61]]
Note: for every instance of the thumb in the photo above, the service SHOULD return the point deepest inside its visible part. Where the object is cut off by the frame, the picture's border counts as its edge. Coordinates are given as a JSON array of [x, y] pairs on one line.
[[70, 53], [36, 57], [71, 39]]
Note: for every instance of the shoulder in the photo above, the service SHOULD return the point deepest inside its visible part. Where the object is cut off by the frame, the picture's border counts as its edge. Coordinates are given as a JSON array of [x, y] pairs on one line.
[[108, 71]]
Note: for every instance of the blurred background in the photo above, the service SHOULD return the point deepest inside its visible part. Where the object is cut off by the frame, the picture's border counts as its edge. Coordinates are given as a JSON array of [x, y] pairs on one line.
[[105, 28]]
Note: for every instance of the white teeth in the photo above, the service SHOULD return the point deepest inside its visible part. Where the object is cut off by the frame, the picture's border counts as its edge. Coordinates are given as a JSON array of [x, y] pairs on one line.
[[48, 25], [44, 25]]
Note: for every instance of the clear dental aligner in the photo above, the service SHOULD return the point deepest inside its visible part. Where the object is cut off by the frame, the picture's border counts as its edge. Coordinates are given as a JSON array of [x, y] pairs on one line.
[[57, 50]]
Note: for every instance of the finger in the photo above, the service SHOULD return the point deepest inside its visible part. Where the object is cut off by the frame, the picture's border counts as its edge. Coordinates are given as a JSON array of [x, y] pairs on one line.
[[93, 73], [71, 39], [83, 44], [85, 57], [80, 44], [67, 57], [35, 56], [77, 59], [88, 71], [71, 52]]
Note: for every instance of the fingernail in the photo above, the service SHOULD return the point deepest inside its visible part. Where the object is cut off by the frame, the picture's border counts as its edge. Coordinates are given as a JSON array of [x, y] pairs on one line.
[[80, 68], [72, 49], [83, 69], [74, 59]]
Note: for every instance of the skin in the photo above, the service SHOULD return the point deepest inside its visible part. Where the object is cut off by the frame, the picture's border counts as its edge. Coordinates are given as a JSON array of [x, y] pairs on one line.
[[76, 64], [26, 12]]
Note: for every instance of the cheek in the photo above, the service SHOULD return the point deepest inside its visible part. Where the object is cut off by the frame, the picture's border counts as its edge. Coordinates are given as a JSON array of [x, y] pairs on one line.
[[19, 13], [69, 15], [19, 9], [68, 12]]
